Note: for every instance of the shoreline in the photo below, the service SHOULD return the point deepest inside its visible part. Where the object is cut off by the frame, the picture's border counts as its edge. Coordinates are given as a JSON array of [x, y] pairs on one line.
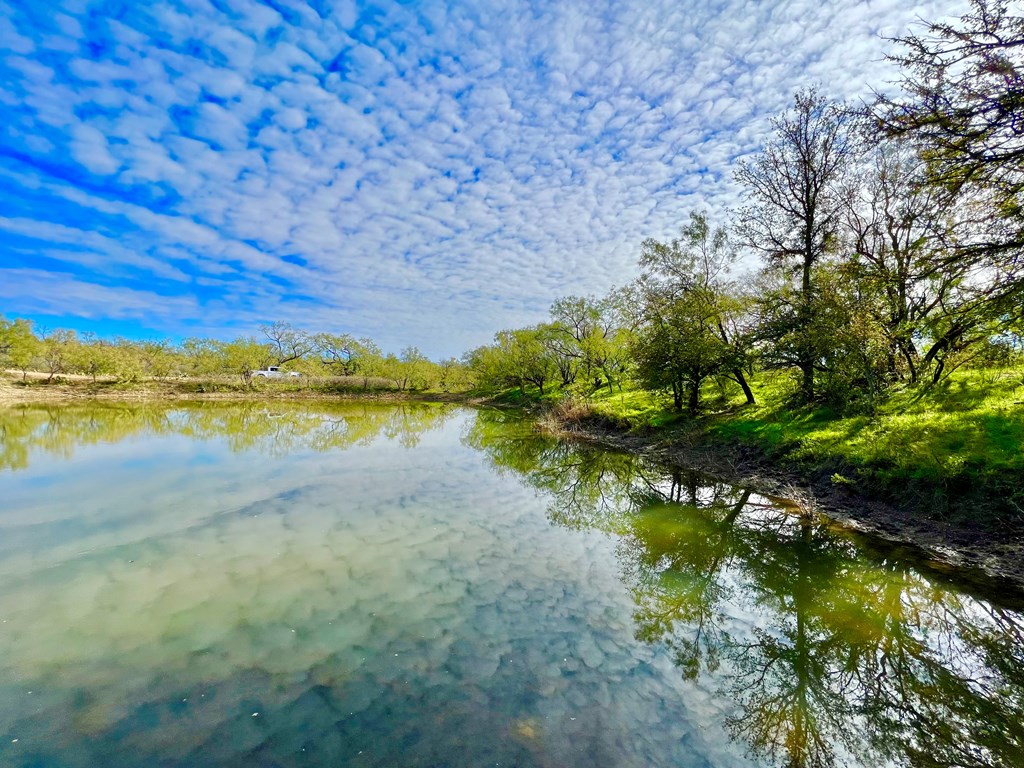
[[979, 557], [170, 390]]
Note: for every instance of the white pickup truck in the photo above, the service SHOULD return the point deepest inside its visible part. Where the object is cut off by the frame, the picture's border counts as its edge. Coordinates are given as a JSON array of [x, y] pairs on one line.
[[273, 372]]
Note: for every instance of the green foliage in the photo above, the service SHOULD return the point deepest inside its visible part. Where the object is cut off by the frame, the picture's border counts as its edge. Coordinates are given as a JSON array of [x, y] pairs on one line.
[[454, 376], [794, 210], [201, 357], [415, 371], [336, 362], [245, 355], [962, 105], [19, 346], [57, 353], [936, 443], [688, 314], [679, 347], [92, 357]]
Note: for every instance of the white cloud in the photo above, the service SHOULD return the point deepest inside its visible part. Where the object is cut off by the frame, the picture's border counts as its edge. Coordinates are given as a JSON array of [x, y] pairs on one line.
[[437, 173], [56, 293], [89, 147]]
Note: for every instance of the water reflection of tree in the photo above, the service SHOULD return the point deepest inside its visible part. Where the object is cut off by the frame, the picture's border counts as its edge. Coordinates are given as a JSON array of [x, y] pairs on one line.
[[832, 658], [276, 429]]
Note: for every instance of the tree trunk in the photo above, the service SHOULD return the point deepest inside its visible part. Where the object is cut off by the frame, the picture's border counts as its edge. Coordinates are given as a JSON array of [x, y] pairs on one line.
[[742, 381], [694, 397], [909, 353], [807, 378], [806, 355]]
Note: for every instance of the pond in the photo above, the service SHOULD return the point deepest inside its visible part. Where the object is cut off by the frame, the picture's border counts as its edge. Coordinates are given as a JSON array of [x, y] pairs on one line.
[[428, 585]]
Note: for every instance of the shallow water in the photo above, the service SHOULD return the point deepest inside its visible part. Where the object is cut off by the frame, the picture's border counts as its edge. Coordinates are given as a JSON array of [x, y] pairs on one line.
[[356, 585]]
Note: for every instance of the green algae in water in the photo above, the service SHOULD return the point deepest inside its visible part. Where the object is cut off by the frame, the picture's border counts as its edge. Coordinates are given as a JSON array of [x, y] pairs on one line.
[[425, 585]]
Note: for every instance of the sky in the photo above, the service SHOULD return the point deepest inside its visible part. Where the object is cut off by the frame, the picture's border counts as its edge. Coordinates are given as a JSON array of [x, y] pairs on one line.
[[423, 173]]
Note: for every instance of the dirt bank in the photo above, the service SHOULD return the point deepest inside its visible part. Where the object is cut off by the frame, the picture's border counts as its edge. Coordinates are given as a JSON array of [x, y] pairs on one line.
[[983, 554]]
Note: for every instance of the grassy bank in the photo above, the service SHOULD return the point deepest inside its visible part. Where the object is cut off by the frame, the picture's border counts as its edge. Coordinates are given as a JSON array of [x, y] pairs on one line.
[[953, 451]]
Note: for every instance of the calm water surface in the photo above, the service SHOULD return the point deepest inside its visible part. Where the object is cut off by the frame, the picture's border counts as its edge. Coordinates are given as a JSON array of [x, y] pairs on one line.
[[288, 585]]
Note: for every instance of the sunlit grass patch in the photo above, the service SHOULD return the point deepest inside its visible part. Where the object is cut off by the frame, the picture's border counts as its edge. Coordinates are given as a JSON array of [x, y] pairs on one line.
[[633, 408], [968, 429]]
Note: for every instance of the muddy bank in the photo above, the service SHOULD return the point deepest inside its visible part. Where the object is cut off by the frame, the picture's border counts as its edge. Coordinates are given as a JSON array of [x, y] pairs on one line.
[[985, 554]]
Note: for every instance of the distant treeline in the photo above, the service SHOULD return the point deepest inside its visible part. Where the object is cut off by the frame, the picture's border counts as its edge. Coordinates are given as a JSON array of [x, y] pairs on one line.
[[278, 345], [890, 236]]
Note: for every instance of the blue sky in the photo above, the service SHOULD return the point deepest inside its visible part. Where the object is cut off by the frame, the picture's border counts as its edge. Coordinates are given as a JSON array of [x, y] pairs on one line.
[[420, 172]]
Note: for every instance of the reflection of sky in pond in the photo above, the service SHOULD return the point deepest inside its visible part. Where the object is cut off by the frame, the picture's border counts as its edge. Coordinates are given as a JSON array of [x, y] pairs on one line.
[[420, 585], [164, 598]]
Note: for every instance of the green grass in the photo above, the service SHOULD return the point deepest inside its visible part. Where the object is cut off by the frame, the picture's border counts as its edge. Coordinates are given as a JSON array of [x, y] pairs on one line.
[[960, 439]]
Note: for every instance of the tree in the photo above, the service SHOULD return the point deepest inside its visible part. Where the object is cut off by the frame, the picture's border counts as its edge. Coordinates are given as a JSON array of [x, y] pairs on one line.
[[347, 355], [286, 343], [795, 209], [19, 344], [903, 231], [678, 345], [338, 352], [203, 357], [962, 108], [487, 366], [368, 360], [529, 359], [963, 105], [58, 351], [415, 371], [126, 360], [696, 266], [585, 338], [517, 358], [245, 355], [895, 223], [454, 375], [91, 356], [159, 358]]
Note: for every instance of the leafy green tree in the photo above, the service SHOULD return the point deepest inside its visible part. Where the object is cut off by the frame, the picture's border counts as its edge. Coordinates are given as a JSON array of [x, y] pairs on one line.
[[345, 355], [202, 357], [585, 337], [678, 346], [126, 360], [896, 223], [338, 353], [91, 356], [159, 358], [530, 359], [369, 360], [517, 358], [487, 366], [415, 371], [57, 352], [245, 355], [962, 108], [18, 344], [454, 375], [795, 211], [695, 267]]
